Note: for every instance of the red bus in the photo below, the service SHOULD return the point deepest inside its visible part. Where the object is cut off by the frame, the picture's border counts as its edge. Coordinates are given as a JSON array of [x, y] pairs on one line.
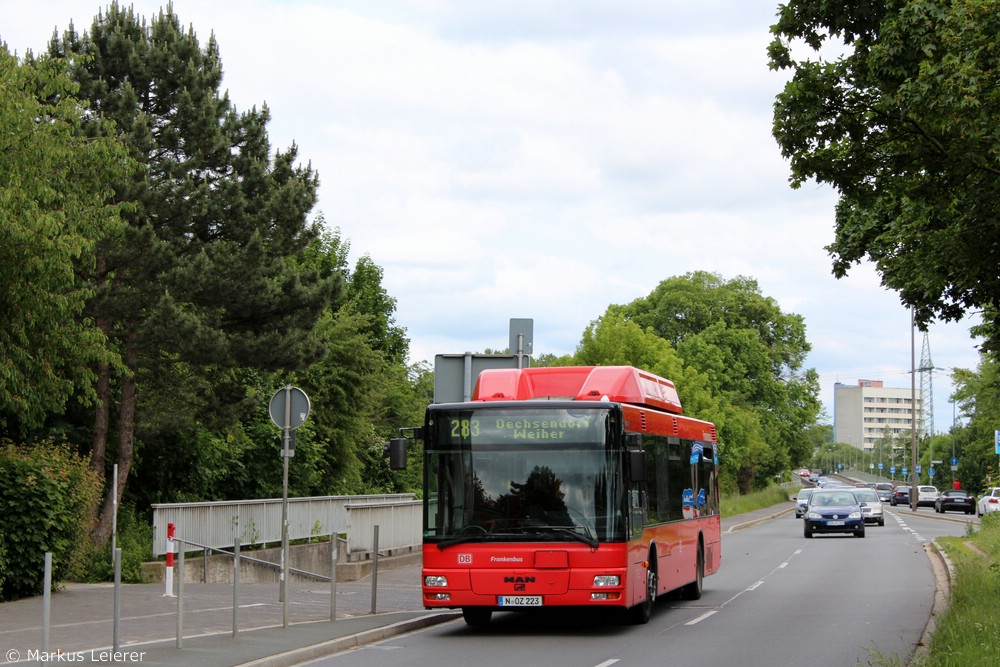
[[569, 486]]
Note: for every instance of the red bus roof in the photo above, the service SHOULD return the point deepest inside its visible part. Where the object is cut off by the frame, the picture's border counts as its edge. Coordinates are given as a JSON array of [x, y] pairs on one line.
[[622, 384]]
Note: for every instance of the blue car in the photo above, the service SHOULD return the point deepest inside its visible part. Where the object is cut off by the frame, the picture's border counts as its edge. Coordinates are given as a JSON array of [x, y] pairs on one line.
[[833, 511]]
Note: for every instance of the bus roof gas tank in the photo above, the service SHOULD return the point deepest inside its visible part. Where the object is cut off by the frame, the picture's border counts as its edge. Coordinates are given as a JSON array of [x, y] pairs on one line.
[[621, 384]]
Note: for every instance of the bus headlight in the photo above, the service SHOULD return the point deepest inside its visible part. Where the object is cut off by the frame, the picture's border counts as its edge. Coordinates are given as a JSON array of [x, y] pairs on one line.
[[602, 580], [435, 581]]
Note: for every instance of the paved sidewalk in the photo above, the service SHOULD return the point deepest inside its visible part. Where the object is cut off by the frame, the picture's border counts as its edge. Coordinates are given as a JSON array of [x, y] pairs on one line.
[[82, 627]]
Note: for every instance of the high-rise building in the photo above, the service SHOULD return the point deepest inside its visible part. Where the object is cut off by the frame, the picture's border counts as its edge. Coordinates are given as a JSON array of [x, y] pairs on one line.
[[865, 413]]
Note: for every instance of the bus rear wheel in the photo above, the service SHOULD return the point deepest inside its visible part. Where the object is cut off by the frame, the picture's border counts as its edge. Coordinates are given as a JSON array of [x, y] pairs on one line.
[[477, 617], [693, 590]]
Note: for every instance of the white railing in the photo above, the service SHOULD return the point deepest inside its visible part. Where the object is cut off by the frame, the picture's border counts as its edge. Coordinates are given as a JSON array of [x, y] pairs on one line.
[[214, 524], [400, 527]]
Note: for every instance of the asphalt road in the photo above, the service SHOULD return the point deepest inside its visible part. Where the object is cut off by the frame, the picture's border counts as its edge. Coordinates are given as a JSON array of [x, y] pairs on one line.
[[779, 599]]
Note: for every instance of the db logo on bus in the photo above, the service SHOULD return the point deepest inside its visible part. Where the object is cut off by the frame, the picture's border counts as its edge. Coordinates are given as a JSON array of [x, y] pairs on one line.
[[465, 559]]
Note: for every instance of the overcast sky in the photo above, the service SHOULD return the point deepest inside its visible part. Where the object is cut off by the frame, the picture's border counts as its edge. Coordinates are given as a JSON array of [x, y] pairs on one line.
[[544, 159]]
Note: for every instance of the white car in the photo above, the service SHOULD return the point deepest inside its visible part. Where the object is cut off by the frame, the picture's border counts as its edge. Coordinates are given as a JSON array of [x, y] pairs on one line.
[[989, 502], [926, 495]]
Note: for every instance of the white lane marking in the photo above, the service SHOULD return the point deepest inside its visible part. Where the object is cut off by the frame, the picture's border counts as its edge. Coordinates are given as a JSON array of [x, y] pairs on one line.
[[755, 586], [607, 663], [702, 617]]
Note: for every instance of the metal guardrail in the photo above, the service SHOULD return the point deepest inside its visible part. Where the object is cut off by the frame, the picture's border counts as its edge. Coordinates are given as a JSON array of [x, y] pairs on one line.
[[218, 524]]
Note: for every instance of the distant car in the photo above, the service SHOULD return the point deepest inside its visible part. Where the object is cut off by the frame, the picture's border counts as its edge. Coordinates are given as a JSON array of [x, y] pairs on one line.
[[884, 491], [805, 473], [836, 511], [871, 506], [927, 495], [900, 496], [802, 500], [989, 502], [955, 500]]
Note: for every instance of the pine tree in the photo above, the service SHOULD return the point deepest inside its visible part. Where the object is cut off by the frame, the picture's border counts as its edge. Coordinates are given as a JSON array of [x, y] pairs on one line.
[[205, 273]]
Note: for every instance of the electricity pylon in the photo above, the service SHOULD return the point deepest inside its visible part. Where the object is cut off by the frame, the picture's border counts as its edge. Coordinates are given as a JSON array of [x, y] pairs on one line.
[[927, 385]]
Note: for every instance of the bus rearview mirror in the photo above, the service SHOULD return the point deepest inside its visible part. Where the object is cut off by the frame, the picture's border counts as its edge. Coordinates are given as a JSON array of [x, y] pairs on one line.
[[396, 448]]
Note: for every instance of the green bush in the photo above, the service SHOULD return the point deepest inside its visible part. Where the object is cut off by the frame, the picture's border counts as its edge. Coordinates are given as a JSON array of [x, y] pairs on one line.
[[135, 539], [46, 496]]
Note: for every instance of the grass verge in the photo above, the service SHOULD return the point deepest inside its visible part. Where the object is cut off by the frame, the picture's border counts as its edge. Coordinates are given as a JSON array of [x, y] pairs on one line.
[[732, 505], [967, 633]]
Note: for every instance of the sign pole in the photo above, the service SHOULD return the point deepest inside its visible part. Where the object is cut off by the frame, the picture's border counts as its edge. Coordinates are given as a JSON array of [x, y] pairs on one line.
[[286, 417], [286, 436]]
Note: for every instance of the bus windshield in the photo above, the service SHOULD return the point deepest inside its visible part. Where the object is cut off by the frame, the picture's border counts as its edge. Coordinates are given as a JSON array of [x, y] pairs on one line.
[[523, 474]]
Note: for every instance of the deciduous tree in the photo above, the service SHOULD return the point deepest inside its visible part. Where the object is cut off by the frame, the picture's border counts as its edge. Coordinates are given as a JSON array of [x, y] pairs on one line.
[[752, 355], [55, 188], [895, 104]]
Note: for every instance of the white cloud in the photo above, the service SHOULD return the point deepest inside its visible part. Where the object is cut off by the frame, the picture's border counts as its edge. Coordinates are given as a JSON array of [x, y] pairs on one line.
[[545, 159]]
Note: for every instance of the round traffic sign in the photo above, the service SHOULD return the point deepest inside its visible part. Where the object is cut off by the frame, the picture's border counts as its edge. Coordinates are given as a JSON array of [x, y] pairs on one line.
[[289, 407]]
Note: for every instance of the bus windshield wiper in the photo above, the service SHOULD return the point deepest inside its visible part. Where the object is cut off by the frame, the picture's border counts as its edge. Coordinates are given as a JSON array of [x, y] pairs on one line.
[[584, 537], [461, 539]]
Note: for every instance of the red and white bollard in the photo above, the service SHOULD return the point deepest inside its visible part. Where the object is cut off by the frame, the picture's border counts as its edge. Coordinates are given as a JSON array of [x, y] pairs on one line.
[[169, 578]]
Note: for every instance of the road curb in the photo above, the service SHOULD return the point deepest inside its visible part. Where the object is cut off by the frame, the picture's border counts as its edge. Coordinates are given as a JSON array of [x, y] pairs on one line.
[[299, 655], [754, 522]]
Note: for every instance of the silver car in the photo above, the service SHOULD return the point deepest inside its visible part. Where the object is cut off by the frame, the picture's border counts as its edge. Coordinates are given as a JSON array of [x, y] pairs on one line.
[[884, 491], [871, 506], [802, 500]]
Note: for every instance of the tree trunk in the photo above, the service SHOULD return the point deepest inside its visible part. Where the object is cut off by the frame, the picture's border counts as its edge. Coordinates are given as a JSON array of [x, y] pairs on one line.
[[744, 478], [99, 443], [126, 444]]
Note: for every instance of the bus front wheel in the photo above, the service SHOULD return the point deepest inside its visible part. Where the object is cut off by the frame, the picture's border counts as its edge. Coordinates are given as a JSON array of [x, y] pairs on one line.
[[477, 617], [642, 612]]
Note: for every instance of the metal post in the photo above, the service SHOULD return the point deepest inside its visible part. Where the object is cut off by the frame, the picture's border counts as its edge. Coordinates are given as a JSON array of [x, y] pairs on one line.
[[283, 587], [467, 377], [236, 585], [180, 595], [168, 574], [116, 632], [375, 568], [914, 491], [333, 577], [114, 512], [47, 602]]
